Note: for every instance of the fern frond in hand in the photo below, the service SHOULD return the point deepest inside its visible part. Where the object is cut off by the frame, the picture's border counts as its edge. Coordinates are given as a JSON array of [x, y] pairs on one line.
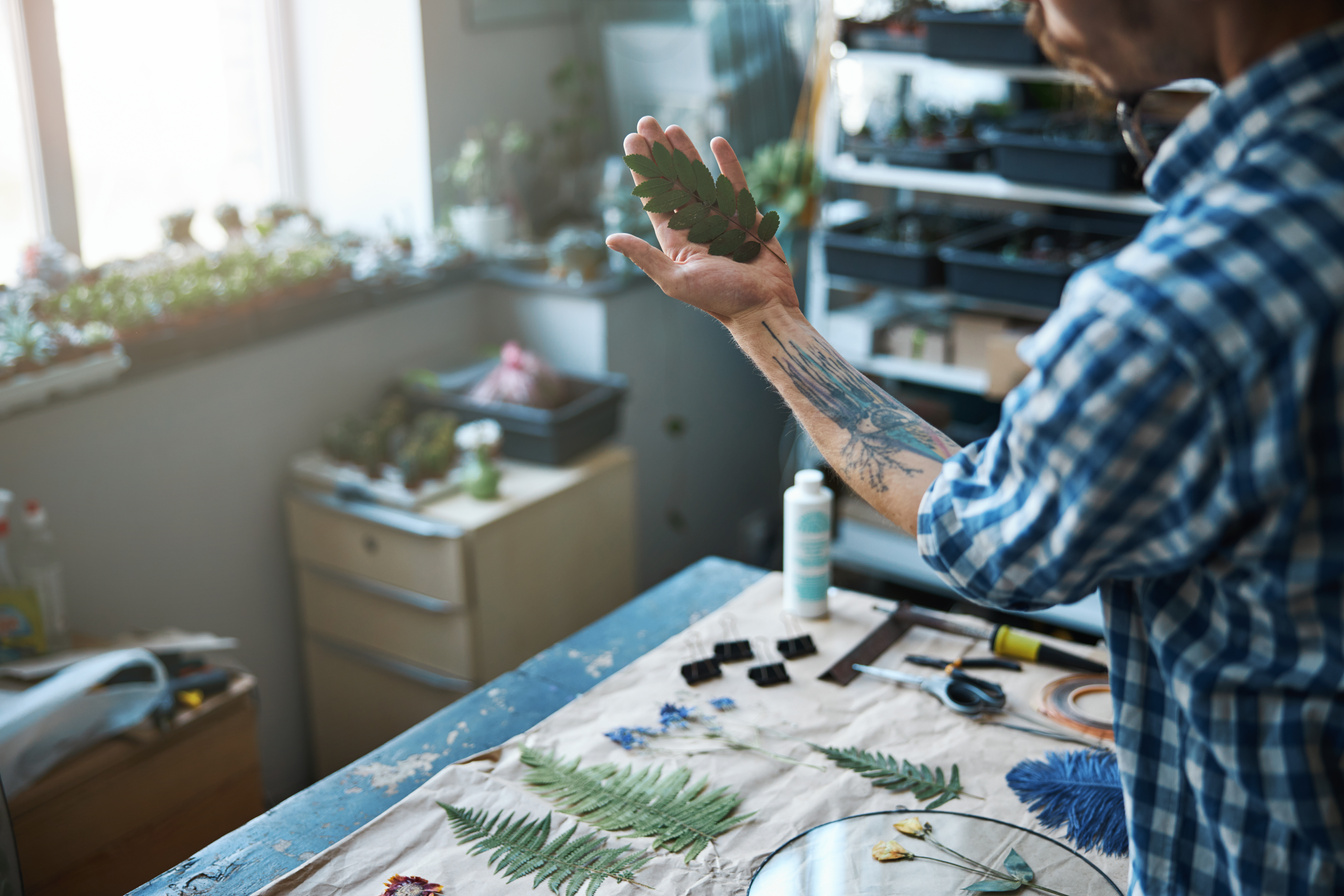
[[711, 211], [898, 774], [678, 817], [525, 846]]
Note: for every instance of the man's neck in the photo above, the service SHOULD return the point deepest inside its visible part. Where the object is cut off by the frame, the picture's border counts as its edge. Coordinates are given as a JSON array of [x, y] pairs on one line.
[[1247, 32]]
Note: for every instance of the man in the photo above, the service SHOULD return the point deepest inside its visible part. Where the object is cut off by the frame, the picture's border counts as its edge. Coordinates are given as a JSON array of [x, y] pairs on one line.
[[1179, 442]]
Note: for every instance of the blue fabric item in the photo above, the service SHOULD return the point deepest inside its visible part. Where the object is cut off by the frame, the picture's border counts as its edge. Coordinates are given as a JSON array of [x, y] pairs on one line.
[[1078, 791], [1179, 444]]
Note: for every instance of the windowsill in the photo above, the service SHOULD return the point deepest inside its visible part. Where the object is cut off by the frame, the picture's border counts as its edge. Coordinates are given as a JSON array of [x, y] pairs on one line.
[[230, 330]]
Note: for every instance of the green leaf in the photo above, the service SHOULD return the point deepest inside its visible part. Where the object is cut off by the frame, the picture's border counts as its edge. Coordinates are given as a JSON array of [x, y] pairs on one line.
[[652, 187], [747, 252], [689, 216], [894, 774], [667, 202], [685, 173], [746, 208], [525, 846], [994, 886], [704, 181], [708, 230], [1018, 867], [728, 243], [678, 817], [663, 157], [769, 225], [727, 195], [642, 165]]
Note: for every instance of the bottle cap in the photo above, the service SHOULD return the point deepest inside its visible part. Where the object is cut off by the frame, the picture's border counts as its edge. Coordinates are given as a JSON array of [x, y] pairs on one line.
[[808, 480], [33, 513]]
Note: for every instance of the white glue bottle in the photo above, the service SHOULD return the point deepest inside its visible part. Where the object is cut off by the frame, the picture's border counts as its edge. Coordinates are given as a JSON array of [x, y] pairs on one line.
[[807, 545]]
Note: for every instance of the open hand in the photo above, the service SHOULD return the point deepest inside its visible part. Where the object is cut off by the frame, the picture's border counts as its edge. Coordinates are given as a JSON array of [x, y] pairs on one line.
[[731, 291]]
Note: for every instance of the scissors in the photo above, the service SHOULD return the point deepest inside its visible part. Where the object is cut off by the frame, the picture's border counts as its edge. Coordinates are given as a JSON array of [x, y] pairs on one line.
[[958, 692]]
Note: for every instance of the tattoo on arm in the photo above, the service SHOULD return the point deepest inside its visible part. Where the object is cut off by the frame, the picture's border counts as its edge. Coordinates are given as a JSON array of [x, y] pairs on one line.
[[881, 429]]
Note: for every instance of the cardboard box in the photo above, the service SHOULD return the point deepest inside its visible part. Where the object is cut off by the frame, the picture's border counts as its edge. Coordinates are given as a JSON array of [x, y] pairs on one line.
[[853, 331], [1005, 368]]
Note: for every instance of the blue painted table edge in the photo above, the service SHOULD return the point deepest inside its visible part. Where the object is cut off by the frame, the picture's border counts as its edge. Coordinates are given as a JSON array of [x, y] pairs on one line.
[[282, 838]]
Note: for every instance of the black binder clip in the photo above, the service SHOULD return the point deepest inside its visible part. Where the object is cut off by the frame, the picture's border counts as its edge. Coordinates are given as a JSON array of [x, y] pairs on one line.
[[732, 649], [700, 670], [767, 673], [794, 643]]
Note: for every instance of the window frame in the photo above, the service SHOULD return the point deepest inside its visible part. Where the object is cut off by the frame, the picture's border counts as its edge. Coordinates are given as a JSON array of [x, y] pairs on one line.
[[42, 100]]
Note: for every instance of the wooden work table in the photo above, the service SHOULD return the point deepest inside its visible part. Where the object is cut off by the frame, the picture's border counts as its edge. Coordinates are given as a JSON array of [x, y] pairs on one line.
[[279, 840]]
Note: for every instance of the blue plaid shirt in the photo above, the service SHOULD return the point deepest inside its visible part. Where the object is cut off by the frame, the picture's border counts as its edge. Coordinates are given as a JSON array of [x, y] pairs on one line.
[[1180, 445]]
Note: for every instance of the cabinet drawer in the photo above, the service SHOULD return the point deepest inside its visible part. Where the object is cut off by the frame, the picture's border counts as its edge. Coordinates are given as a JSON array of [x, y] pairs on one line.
[[359, 700], [423, 630], [393, 547]]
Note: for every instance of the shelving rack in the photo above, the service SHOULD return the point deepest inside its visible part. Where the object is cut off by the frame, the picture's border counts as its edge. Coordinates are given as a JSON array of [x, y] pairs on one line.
[[862, 544], [844, 167]]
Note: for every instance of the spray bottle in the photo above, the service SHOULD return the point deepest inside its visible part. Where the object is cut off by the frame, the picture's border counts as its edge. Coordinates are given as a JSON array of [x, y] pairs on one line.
[[807, 545]]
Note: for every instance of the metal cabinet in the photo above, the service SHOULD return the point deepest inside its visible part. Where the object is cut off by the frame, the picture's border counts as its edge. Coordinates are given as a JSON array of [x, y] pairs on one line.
[[402, 612]]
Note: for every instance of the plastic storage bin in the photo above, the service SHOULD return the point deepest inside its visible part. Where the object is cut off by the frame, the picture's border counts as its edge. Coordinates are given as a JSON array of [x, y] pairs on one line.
[[1061, 152], [988, 264], [870, 248], [553, 436], [979, 37]]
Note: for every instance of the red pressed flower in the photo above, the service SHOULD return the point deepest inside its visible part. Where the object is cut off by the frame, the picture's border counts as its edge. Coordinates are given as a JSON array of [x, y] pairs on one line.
[[401, 885]]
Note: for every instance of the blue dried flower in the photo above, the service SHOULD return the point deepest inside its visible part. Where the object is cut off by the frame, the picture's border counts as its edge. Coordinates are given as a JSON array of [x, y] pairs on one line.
[[723, 704], [674, 716], [628, 738]]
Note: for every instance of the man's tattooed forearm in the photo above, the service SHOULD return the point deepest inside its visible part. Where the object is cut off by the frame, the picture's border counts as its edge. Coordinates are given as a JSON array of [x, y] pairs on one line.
[[881, 429]]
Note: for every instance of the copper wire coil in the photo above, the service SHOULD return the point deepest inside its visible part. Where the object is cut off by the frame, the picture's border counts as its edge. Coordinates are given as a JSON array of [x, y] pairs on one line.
[[1059, 703]]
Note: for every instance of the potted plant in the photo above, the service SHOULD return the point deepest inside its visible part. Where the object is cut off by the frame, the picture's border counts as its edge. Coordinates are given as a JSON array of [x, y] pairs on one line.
[[482, 187]]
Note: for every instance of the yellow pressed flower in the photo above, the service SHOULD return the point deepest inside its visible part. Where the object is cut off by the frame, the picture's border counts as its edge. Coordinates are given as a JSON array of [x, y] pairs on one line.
[[912, 826], [890, 851]]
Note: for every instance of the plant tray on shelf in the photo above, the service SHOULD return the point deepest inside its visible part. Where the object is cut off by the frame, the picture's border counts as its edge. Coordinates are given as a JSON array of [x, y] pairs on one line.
[[1063, 152], [873, 249], [67, 378], [1029, 262], [318, 469], [553, 436], [953, 154], [980, 37], [886, 36]]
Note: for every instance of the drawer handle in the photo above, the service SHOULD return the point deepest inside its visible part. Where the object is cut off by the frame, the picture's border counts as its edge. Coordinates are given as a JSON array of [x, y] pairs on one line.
[[380, 589], [401, 520], [396, 667]]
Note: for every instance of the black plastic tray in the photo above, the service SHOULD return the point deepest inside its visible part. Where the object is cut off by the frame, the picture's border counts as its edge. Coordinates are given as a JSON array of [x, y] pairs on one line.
[[975, 266], [534, 434], [1033, 156], [979, 37], [852, 251], [955, 154]]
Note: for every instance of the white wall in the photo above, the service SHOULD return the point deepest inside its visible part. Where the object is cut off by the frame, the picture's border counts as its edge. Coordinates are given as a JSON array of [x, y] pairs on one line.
[[474, 76], [164, 492]]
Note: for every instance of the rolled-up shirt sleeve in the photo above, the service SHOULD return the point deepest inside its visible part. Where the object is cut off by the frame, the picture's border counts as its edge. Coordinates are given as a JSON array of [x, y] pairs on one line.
[[1108, 464]]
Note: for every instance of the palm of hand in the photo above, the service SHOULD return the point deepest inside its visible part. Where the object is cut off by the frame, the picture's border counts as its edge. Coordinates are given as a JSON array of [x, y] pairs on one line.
[[726, 289]]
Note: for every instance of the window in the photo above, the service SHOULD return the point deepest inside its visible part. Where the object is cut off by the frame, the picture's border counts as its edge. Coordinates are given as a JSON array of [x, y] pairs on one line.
[[18, 223], [161, 105], [167, 109]]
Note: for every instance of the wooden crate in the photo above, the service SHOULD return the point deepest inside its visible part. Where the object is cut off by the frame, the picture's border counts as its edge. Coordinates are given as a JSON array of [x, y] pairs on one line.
[[120, 813]]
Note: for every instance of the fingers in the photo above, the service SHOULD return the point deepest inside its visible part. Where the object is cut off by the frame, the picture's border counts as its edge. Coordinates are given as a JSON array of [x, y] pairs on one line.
[[679, 139], [728, 163], [651, 261]]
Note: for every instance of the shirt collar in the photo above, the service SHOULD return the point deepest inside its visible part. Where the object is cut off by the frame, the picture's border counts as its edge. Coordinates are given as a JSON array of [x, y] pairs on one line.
[[1214, 135]]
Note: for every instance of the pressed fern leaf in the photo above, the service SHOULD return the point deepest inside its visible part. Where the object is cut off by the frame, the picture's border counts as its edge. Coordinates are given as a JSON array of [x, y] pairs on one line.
[[676, 183], [898, 774], [524, 846], [677, 817]]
